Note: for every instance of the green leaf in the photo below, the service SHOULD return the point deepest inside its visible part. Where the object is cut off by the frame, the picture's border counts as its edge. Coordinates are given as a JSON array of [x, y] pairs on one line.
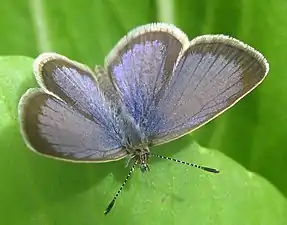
[[38, 190]]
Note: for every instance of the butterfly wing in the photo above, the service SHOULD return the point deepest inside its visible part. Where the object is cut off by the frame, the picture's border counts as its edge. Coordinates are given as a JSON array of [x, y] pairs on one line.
[[172, 86], [212, 74], [140, 65], [69, 117]]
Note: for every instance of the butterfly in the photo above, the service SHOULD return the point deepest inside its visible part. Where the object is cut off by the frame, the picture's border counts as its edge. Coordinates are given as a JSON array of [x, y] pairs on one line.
[[155, 86]]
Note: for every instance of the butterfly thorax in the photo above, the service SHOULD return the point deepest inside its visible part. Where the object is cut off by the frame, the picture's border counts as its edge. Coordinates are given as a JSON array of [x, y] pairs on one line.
[[135, 143]]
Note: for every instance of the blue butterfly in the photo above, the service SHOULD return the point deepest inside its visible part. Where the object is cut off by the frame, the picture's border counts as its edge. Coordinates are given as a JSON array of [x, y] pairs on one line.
[[155, 86]]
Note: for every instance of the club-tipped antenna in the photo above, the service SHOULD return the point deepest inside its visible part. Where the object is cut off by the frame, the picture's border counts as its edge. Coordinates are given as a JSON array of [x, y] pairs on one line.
[[208, 169], [111, 204]]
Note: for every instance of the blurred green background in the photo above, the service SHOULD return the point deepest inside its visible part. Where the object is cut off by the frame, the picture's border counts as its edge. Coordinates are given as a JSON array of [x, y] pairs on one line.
[[250, 139]]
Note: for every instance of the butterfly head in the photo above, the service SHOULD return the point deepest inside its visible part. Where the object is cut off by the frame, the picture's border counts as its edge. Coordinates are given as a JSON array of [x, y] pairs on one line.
[[141, 156]]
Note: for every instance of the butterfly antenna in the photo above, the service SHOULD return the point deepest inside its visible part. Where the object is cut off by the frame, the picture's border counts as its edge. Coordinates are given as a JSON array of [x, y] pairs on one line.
[[111, 204], [208, 169]]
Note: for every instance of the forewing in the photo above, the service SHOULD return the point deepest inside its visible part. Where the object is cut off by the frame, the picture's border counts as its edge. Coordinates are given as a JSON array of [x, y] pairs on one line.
[[140, 65], [78, 95], [210, 76], [56, 129]]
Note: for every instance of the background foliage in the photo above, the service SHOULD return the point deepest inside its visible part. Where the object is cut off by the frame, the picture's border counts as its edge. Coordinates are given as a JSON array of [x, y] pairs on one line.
[[250, 137]]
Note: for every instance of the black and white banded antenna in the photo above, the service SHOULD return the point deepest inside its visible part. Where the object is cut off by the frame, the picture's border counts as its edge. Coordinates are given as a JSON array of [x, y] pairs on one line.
[[112, 203], [207, 169]]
